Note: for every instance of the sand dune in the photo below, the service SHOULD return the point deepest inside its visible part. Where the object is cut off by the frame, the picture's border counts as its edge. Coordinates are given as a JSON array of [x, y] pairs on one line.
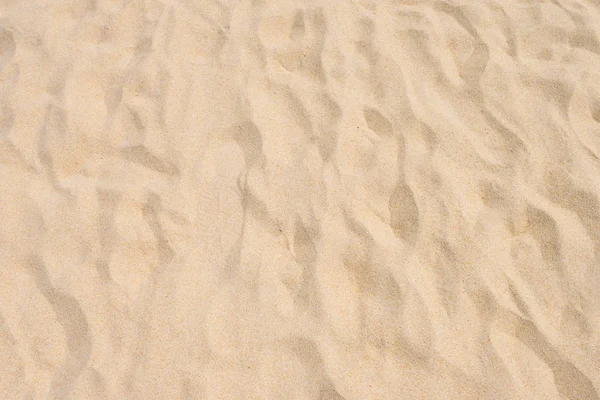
[[329, 200]]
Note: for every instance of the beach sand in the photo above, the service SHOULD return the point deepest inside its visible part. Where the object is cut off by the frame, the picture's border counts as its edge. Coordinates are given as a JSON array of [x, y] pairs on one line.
[[329, 200]]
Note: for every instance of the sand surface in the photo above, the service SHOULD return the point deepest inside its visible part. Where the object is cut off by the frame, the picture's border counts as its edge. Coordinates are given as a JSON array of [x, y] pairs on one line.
[[286, 199]]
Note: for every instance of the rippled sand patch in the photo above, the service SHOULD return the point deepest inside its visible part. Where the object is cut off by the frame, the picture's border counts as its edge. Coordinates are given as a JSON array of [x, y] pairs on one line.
[[329, 200]]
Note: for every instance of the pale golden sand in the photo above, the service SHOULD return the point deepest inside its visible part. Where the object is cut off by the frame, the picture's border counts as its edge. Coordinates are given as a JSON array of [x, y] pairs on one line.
[[286, 199]]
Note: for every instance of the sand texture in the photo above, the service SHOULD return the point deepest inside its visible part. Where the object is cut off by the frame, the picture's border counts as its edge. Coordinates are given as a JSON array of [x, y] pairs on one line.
[[288, 199]]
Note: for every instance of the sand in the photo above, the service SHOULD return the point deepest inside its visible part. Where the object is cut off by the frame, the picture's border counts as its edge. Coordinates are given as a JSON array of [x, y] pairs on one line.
[[329, 200]]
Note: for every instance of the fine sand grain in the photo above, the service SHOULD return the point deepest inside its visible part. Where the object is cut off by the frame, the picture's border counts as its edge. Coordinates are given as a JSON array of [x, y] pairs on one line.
[[300, 199]]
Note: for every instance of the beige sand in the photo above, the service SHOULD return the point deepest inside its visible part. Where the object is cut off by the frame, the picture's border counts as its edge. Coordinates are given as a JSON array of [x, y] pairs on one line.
[[286, 199]]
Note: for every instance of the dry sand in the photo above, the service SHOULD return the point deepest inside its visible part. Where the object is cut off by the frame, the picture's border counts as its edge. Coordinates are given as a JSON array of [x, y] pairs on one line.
[[286, 199]]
